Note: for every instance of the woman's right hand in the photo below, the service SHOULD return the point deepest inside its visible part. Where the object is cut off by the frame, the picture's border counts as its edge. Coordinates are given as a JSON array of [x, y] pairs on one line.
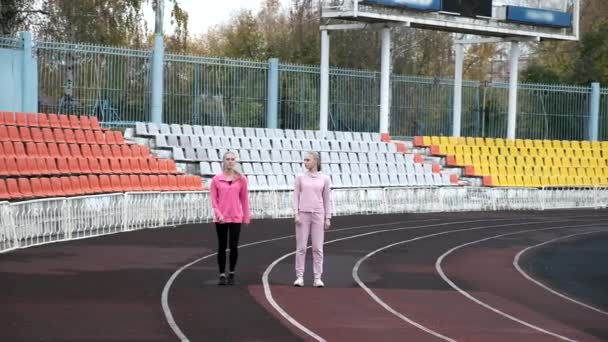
[[220, 219]]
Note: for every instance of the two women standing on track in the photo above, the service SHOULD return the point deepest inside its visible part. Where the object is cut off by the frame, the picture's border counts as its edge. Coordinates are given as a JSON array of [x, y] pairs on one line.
[[311, 205]]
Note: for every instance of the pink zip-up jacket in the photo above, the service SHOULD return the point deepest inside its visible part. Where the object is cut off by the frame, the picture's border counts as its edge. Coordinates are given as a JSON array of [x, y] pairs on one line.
[[312, 193], [230, 201]]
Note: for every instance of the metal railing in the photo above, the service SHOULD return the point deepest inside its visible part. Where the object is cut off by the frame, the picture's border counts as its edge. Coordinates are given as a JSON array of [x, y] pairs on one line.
[[37, 222], [114, 84]]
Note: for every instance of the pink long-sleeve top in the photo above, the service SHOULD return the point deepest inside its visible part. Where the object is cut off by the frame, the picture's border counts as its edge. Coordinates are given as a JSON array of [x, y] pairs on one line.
[[230, 199], [312, 193]]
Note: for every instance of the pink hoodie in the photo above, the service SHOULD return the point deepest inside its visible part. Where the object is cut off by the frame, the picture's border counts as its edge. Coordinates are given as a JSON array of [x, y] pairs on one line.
[[230, 201], [312, 193]]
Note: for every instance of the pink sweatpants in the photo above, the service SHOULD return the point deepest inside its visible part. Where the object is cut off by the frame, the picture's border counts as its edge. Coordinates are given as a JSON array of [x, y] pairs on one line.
[[310, 224]]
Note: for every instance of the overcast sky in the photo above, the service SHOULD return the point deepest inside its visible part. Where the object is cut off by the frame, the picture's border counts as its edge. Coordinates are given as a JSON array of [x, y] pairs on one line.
[[206, 13]]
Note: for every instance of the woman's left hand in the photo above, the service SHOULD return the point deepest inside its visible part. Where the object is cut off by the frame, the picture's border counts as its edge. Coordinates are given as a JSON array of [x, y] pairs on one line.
[[327, 224]]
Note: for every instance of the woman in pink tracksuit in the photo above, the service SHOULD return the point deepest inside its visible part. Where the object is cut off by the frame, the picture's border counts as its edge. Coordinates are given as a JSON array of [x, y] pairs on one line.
[[230, 202], [312, 207]]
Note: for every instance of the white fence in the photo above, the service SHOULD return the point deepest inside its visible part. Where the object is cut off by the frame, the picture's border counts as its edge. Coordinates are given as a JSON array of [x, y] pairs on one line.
[[30, 223]]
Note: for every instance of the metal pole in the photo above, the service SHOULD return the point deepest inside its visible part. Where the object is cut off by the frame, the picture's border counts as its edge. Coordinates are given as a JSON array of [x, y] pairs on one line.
[[157, 65], [513, 74], [29, 75], [594, 111], [324, 96], [457, 104], [385, 79], [273, 93]]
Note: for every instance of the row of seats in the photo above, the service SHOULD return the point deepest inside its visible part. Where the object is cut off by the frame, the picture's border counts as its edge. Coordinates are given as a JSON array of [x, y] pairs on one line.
[[265, 182], [292, 169], [170, 141], [213, 154], [15, 149], [49, 120], [517, 151], [543, 181], [540, 171], [27, 188], [479, 160], [499, 142], [60, 135], [153, 129], [24, 166]]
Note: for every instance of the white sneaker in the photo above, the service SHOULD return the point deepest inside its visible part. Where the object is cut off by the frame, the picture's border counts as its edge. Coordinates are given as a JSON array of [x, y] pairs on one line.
[[299, 282], [318, 283]]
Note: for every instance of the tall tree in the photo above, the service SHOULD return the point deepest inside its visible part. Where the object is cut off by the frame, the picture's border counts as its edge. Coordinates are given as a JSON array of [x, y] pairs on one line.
[[17, 15]]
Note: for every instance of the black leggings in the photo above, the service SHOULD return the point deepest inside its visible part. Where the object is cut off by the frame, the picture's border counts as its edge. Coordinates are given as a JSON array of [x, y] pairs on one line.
[[225, 232]]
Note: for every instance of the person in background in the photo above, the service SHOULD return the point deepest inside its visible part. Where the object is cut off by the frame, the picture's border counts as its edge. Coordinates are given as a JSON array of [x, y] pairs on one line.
[[230, 202], [312, 208]]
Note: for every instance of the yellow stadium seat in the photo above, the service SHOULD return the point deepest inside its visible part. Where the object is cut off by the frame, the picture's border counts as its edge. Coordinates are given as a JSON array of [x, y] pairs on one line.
[[556, 143], [479, 141], [533, 151], [448, 149], [601, 163], [585, 145], [501, 160], [459, 150], [575, 144], [559, 161], [474, 149], [587, 153], [547, 144], [499, 142], [604, 145], [444, 140], [490, 142], [596, 145], [595, 153], [452, 141], [584, 162], [575, 161], [510, 160], [538, 161], [528, 181], [509, 142], [493, 170], [593, 163], [493, 150], [476, 159], [572, 172], [519, 143], [566, 144], [519, 160], [426, 140], [502, 170], [528, 143], [470, 141], [581, 172], [537, 143], [435, 140], [548, 161], [485, 150], [466, 149], [591, 172]]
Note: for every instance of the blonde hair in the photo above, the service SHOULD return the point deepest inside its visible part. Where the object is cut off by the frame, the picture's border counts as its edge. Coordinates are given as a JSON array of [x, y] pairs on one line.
[[237, 167], [317, 157]]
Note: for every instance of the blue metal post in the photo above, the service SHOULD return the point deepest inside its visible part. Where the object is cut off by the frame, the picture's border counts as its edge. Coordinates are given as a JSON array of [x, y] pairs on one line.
[[273, 94], [29, 74], [594, 111]]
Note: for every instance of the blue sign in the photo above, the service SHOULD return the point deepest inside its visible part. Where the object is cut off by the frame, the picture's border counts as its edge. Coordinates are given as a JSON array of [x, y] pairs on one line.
[[539, 17], [421, 5]]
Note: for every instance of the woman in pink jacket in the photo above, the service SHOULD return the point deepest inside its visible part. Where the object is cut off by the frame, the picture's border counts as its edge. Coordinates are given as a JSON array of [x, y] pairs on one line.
[[230, 202], [312, 207]]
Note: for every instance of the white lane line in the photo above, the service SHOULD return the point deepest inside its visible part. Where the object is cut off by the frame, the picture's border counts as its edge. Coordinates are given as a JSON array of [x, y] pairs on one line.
[[294, 322], [167, 288], [527, 276], [485, 305], [383, 304]]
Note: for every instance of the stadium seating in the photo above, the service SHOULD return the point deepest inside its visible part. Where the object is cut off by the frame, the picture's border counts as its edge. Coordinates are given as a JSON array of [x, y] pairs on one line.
[[272, 157], [50, 155], [524, 162]]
